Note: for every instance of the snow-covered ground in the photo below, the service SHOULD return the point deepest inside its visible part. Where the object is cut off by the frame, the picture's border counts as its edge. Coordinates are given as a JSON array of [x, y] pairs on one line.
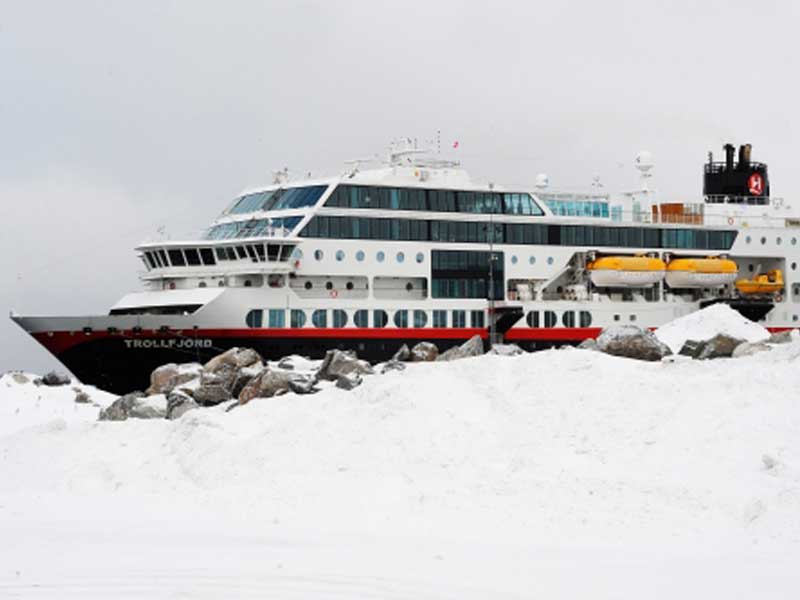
[[560, 474]]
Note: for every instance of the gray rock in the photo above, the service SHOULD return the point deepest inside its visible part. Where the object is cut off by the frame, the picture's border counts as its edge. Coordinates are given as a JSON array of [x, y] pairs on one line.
[[402, 354], [782, 337], [82, 397], [588, 344], [631, 341], [119, 410], [424, 352], [348, 381], [392, 365], [749, 348], [170, 376], [212, 394], [472, 347], [266, 384], [338, 362], [19, 378], [720, 346], [235, 357], [286, 363], [149, 407], [506, 350], [55, 379], [178, 404], [692, 348], [302, 384]]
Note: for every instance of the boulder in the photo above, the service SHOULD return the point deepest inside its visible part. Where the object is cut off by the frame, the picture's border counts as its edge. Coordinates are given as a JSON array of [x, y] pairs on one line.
[[692, 348], [588, 344], [631, 341], [472, 347], [392, 365], [20, 378], [82, 397], [268, 383], [506, 350], [782, 337], [339, 362], [167, 377], [749, 348], [424, 352], [55, 379], [348, 381], [302, 384], [135, 406], [235, 357], [178, 404], [720, 346], [402, 354], [211, 394], [217, 386]]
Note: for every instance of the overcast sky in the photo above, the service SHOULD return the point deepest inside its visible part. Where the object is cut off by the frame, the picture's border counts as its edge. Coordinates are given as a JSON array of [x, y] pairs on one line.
[[117, 118]]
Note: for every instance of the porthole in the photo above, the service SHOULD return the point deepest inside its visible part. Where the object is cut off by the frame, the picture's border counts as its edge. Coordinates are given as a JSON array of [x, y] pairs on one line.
[[400, 257], [318, 254], [420, 318], [361, 318], [360, 256], [794, 266], [794, 241], [568, 318], [221, 283], [533, 318], [778, 241], [532, 260], [514, 260], [585, 318], [550, 318], [616, 317], [202, 284], [632, 317], [409, 286], [328, 285], [794, 317], [339, 318], [420, 257], [763, 241], [380, 256], [549, 260], [308, 285], [340, 255], [248, 283], [747, 240], [349, 285], [750, 268]]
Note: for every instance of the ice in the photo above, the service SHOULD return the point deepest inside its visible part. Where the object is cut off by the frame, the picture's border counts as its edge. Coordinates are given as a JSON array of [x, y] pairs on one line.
[[706, 323]]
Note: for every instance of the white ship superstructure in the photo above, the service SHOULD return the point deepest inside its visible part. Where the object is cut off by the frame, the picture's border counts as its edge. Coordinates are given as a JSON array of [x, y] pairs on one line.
[[415, 250]]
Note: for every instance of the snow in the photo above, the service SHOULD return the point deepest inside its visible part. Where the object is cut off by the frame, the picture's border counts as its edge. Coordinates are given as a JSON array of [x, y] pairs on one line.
[[558, 474], [706, 323]]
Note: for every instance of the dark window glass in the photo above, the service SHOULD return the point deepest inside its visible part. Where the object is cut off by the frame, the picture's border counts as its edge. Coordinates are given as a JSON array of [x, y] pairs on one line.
[[298, 318], [440, 318], [319, 318], [277, 317], [420, 318], [533, 318], [176, 258], [379, 318], [254, 318], [207, 256], [568, 319], [192, 256], [477, 318], [339, 318], [401, 318], [550, 318], [221, 254], [585, 318], [361, 318], [459, 318]]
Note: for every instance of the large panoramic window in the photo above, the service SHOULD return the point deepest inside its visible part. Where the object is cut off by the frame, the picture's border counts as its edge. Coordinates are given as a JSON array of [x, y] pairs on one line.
[[466, 274], [298, 197], [276, 226], [251, 202]]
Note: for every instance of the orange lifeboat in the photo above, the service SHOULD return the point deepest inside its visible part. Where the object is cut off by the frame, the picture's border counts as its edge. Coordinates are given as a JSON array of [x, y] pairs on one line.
[[770, 283], [701, 272], [626, 271]]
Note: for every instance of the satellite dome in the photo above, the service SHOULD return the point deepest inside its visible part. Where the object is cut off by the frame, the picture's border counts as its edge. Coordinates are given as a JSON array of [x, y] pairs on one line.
[[542, 181], [644, 161]]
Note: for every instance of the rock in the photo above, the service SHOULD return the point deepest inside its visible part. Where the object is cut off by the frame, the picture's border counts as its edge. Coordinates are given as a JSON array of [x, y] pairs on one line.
[[338, 362], [178, 404], [402, 354], [631, 341], [20, 378], [218, 385], [302, 384], [782, 337], [424, 352], [55, 379], [506, 350], [286, 363], [211, 394], [137, 406], [692, 348], [770, 462], [82, 397], [268, 383], [235, 357], [392, 365], [749, 348], [588, 344], [295, 362], [348, 381], [167, 377], [472, 347], [720, 346]]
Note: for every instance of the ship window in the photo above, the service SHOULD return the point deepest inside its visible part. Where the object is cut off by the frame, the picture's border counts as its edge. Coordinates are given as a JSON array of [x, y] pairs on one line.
[[401, 318], [550, 318], [240, 251], [361, 318], [585, 318], [409, 286], [221, 255], [632, 317], [176, 258], [251, 202], [320, 318], [794, 317], [254, 318], [420, 257], [349, 285], [514, 260], [163, 256], [763, 241], [207, 256], [476, 318], [750, 268], [273, 252], [459, 318], [299, 197], [568, 319], [248, 283], [549, 260], [151, 260], [380, 256], [616, 317], [747, 239], [202, 284], [298, 318], [308, 285], [360, 255], [420, 318], [778, 241], [340, 255], [794, 266], [533, 318], [400, 257], [440, 318], [277, 317], [379, 318], [259, 248], [192, 256], [318, 254], [794, 241], [532, 260], [339, 318], [328, 285]]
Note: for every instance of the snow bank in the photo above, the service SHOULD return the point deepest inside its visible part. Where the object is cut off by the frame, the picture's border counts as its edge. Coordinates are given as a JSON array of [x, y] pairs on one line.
[[706, 323]]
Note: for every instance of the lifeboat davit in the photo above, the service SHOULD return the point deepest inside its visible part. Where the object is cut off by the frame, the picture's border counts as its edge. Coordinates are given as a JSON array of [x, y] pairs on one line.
[[626, 271], [701, 272], [770, 283]]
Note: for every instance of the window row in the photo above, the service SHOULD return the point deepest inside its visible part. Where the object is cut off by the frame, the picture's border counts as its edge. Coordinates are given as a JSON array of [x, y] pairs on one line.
[[517, 233], [549, 318], [578, 208], [195, 257], [360, 196], [253, 228], [280, 199], [378, 318]]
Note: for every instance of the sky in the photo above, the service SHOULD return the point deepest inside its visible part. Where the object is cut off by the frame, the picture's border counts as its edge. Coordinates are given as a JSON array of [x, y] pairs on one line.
[[121, 118]]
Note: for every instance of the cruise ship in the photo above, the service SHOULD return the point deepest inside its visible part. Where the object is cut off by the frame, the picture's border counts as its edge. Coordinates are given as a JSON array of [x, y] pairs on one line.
[[413, 249]]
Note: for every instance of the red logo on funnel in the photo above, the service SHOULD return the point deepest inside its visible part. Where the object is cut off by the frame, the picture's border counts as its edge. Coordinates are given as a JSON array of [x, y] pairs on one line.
[[755, 184]]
